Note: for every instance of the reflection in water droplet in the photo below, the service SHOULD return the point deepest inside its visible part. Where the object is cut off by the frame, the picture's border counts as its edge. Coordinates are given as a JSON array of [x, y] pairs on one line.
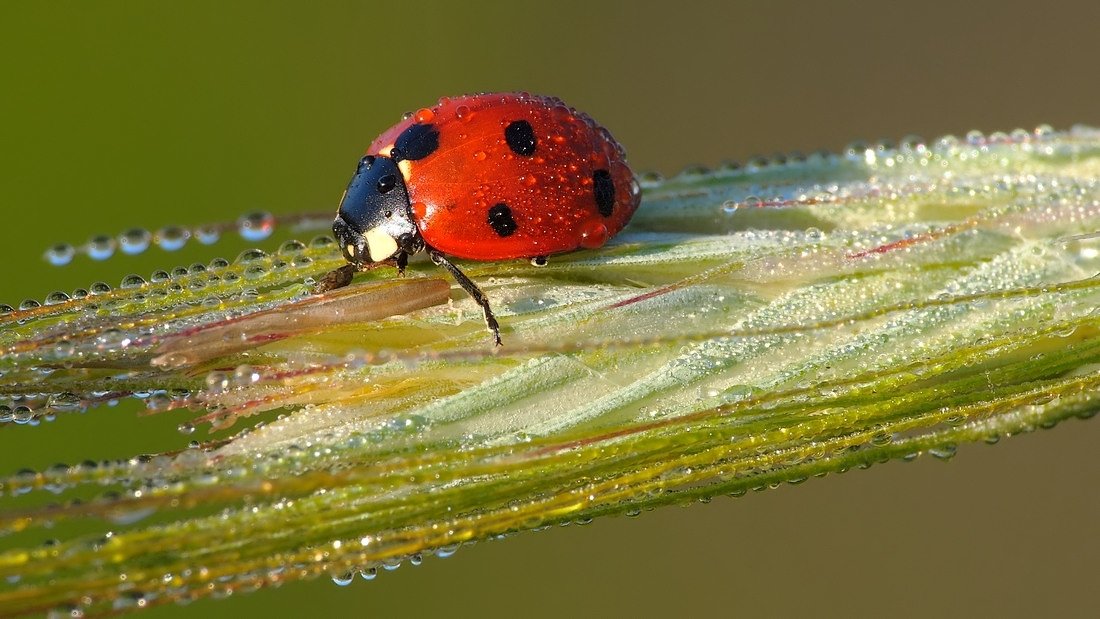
[[256, 226], [56, 297], [944, 452], [134, 241], [251, 255], [207, 235], [60, 254], [172, 238], [132, 281], [344, 579], [100, 247]]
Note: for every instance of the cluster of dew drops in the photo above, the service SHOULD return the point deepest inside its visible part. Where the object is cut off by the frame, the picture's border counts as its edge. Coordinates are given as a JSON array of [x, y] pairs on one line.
[[255, 226], [881, 155]]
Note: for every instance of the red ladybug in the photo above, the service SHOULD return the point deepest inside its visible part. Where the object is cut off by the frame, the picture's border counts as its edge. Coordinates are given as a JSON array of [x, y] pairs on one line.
[[485, 177]]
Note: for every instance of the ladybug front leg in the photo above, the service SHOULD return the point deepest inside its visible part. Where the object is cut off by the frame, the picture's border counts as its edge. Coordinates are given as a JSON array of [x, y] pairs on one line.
[[471, 289], [402, 262], [336, 278]]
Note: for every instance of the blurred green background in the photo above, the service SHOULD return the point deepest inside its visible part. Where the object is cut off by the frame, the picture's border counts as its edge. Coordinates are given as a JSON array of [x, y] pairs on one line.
[[123, 114]]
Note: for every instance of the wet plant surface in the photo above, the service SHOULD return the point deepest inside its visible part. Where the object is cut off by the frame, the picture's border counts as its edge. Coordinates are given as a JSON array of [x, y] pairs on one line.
[[755, 325]]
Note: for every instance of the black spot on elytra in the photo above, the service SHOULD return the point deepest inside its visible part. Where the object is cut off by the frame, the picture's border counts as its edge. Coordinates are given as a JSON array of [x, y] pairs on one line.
[[604, 190], [387, 183], [415, 143], [520, 137], [500, 218]]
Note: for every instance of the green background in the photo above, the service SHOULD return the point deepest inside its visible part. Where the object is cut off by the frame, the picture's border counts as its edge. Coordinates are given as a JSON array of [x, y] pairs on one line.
[[123, 114]]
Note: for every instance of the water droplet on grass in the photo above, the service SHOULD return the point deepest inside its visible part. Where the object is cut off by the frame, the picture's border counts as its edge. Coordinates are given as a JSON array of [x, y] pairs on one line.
[[134, 241], [256, 226], [172, 238], [60, 254], [100, 247]]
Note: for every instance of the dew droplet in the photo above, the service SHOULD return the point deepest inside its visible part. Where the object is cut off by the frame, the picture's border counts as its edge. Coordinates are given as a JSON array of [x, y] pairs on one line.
[[207, 235], [256, 226], [132, 281], [56, 297], [60, 254], [22, 415], [251, 255], [172, 238], [480, 156], [100, 247], [63, 402], [292, 247], [246, 375], [944, 452], [29, 304], [424, 115], [99, 288], [344, 579], [134, 241], [445, 551]]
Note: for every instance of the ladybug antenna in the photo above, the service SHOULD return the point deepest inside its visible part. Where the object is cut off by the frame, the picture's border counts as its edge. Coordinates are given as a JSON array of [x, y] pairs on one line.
[[471, 289]]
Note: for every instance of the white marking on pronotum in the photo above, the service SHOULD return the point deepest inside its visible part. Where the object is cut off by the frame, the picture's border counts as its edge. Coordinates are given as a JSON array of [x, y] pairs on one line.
[[405, 166]]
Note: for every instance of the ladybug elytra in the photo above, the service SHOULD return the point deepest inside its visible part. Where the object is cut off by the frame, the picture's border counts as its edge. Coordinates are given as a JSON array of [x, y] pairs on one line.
[[485, 177]]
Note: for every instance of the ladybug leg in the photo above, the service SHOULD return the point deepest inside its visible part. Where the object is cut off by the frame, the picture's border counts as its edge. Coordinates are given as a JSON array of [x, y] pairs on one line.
[[402, 262], [471, 289], [336, 278]]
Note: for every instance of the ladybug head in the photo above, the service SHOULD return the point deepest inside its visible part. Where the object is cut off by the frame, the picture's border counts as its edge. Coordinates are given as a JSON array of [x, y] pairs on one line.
[[375, 221]]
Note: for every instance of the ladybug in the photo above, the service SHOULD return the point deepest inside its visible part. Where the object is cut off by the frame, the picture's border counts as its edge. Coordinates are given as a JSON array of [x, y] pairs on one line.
[[484, 177]]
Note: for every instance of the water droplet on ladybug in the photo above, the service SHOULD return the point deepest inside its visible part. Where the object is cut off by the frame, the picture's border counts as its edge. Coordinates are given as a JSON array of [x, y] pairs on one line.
[[462, 113], [424, 115], [528, 180], [594, 235], [480, 155]]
